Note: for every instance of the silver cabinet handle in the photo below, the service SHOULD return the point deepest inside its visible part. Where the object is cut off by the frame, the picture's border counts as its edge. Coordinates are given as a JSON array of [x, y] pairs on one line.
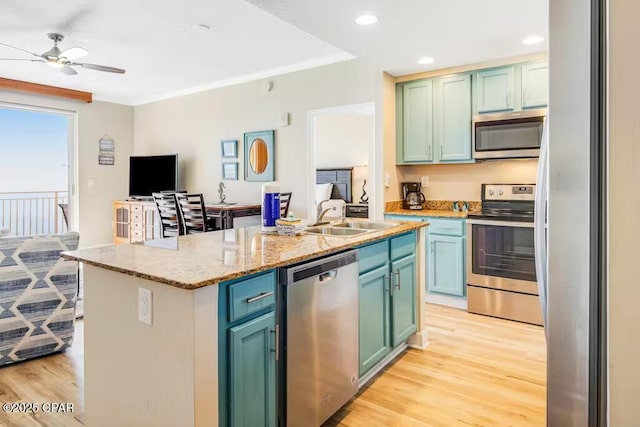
[[429, 152], [390, 288], [441, 152], [398, 279], [259, 297], [276, 332]]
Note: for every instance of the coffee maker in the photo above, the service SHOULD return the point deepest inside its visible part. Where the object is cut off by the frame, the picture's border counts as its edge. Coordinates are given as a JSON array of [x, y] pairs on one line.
[[412, 195]]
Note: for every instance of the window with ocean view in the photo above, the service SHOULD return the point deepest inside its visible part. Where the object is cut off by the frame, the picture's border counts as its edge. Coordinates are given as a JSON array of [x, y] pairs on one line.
[[33, 171]]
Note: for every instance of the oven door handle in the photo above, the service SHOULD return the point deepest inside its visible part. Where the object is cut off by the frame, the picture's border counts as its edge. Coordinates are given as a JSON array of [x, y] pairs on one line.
[[500, 223]]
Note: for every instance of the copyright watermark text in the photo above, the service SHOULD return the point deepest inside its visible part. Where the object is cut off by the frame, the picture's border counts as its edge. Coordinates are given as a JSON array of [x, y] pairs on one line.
[[34, 407]]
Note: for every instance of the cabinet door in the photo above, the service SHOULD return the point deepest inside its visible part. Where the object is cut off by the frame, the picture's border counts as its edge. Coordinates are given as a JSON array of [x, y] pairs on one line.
[[375, 339], [535, 85], [494, 90], [403, 299], [122, 223], [253, 373], [418, 121], [452, 116], [445, 264]]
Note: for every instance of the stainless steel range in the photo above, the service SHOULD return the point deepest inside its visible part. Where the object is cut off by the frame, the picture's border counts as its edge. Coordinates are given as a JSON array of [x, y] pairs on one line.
[[501, 269]]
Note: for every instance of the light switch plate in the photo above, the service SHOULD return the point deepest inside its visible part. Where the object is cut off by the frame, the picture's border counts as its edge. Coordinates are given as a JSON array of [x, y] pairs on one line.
[[145, 306], [387, 179]]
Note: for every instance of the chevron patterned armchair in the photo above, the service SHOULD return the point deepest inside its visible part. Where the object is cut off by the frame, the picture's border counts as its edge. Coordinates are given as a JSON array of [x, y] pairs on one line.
[[38, 291]]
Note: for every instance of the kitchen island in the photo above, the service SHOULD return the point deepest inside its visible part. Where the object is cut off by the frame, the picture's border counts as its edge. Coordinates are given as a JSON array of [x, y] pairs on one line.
[[175, 369]]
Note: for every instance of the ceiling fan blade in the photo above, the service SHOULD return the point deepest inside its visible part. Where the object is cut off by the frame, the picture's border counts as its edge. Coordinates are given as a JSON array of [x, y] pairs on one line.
[[68, 71], [19, 49], [74, 53], [21, 59], [99, 67]]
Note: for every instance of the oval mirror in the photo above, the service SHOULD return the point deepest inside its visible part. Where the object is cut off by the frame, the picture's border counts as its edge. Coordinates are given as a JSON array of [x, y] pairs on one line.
[[258, 156]]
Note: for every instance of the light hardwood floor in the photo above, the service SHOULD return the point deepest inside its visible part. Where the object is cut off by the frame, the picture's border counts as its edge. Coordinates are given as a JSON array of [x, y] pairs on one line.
[[477, 371]]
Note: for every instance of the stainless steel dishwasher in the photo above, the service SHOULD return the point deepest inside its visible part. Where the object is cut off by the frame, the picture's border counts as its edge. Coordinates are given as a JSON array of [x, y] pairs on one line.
[[319, 309]]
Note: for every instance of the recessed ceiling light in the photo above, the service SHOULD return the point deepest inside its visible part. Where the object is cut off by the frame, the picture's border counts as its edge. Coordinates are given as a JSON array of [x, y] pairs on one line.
[[366, 19], [202, 27], [533, 40], [425, 60]]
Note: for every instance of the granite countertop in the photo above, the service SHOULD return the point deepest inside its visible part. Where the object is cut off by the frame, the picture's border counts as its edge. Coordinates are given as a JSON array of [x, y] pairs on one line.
[[433, 208], [199, 260]]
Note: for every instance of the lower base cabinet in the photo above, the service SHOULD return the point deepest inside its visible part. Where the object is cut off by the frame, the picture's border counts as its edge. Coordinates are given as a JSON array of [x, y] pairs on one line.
[[247, 358], [387, 312], [445, 266], [252, 371]]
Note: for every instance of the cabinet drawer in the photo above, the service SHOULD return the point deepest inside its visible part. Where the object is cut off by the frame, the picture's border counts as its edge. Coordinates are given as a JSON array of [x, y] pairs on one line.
[[136, 235], [136, 225], [136, 217], [402, 246], [251, 295], [373, 256], [446, 227], [136, 208]]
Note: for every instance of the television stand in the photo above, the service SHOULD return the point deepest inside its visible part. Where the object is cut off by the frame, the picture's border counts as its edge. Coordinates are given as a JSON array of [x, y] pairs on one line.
[[140, 198]]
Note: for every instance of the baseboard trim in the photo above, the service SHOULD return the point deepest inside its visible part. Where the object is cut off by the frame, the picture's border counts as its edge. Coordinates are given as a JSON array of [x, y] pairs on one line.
[[381, 365], [448, 300], [419, 340]]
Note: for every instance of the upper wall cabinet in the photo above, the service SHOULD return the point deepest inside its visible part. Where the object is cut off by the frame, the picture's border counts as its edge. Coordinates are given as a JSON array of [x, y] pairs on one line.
[[417, 121], [511, 88], [535, 84], [452, 116], [495, 89], [433, 120]]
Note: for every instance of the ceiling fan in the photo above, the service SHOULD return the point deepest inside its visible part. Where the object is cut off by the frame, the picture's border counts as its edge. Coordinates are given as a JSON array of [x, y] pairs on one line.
[[64, 60]]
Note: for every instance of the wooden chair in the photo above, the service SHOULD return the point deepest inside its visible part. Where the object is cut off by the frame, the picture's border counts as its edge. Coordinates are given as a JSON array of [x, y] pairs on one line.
[[169, 214], [65, 213], [193, 213], [285, 200]]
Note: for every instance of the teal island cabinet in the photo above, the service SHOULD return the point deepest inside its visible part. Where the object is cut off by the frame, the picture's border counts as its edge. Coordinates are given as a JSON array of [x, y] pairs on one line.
[[445, 253], [387, 302], [205, 349]]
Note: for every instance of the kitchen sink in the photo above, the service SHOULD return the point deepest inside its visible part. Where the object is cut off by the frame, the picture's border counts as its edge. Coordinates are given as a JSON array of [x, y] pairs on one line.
[[335, 231], [365, 225]]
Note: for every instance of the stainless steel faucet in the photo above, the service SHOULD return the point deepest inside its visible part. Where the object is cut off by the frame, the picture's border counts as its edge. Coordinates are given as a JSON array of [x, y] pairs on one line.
[[323, 212]]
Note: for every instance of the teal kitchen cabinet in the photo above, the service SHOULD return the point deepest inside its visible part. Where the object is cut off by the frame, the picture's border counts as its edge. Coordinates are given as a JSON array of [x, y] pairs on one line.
[[387, 302], [374, 317], [494, 89], [433, 120], [452, 117], [403, 309], [252, 365], [416, 116], [445, 266], [247, 358], [535, 84]]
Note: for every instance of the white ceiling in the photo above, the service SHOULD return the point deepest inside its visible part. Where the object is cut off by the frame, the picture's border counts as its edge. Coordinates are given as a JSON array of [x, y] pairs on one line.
[[165, 56], [155, 42], [453, 32]]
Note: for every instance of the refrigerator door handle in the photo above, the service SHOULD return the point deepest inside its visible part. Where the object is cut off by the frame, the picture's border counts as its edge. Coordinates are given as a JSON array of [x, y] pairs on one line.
[[540, 219]]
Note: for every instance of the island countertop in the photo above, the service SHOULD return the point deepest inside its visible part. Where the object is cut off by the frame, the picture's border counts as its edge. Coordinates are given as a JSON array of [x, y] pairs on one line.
[[199, 260]]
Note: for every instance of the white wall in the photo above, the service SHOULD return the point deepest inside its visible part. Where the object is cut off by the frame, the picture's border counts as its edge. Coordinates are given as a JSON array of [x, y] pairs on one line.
[[343, 139], [193, 126], [109, 182]]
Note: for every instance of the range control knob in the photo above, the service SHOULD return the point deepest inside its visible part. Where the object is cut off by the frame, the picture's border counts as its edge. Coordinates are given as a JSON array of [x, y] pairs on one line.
[[491, 192], [500, 192]]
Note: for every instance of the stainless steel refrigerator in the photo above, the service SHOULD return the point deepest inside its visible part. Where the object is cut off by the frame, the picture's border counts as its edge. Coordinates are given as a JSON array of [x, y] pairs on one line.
[[571, 255]]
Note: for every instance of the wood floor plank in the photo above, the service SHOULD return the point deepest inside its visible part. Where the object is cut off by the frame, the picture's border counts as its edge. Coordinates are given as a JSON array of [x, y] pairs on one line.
[[477, 372]]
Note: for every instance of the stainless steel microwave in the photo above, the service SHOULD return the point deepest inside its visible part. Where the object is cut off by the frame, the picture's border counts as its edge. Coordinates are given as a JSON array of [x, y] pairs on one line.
[[508, 135]]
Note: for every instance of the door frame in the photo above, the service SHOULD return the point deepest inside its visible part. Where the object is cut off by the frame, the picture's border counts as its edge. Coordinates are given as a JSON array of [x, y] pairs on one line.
[[72, 154], [366, 108]]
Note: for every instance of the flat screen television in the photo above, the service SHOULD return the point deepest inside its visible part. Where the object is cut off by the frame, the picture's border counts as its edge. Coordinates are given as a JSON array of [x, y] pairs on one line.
[[152, 174]]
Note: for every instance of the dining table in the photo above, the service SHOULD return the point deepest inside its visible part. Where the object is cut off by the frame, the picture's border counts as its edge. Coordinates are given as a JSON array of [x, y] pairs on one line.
[[228, 211]]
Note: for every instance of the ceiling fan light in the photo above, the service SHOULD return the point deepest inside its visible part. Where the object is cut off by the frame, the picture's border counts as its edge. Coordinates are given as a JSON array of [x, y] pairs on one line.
[[55, 64], [74, 53]]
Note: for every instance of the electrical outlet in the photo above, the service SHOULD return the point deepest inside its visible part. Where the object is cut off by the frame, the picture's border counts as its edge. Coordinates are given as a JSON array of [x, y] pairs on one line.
[[425, 181], [387, 180], [144, 305]]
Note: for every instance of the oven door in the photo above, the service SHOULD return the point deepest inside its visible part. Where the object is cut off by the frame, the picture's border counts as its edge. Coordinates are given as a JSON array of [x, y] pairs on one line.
[[500, 255]]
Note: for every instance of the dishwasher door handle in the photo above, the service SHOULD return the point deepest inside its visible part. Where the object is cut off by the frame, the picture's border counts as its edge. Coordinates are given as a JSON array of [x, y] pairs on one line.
[[328, 276]]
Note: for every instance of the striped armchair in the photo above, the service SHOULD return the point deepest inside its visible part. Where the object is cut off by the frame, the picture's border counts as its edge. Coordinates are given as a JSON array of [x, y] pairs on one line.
[[38, 291]]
